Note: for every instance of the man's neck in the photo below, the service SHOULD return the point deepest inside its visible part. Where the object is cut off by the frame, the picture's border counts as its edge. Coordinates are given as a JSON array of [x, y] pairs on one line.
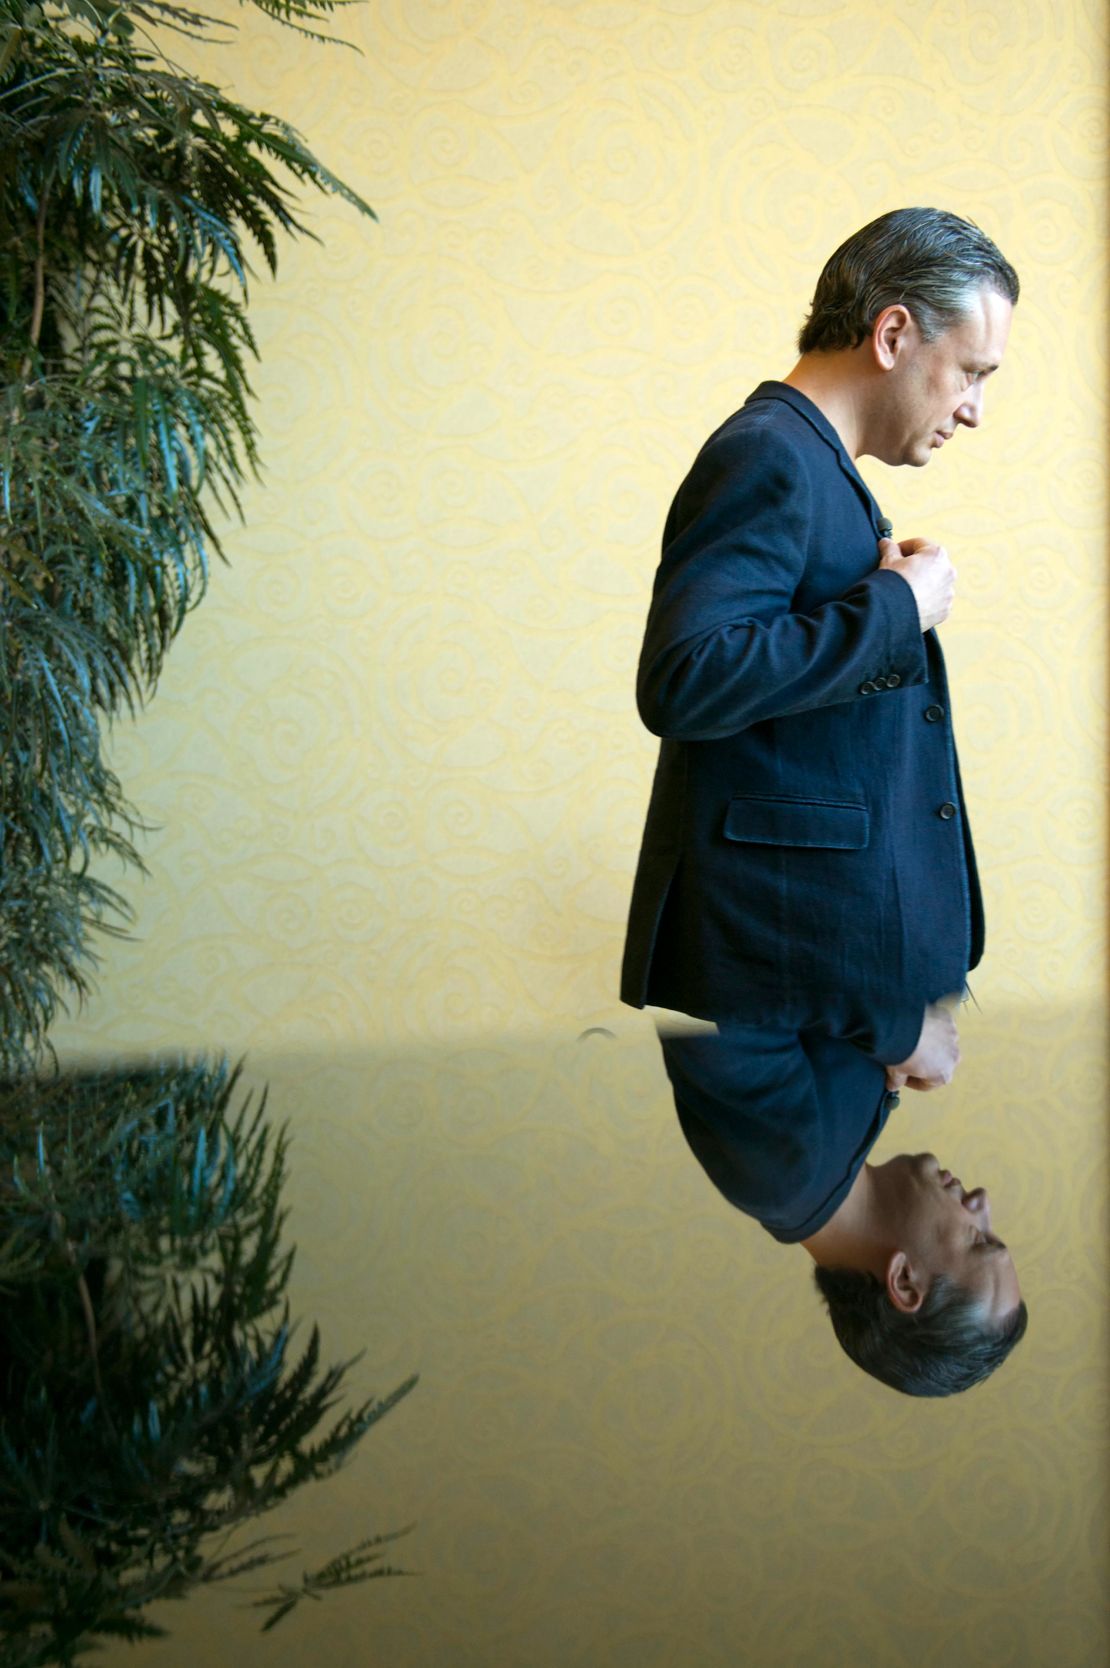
[[856, 1235], [834, 384]]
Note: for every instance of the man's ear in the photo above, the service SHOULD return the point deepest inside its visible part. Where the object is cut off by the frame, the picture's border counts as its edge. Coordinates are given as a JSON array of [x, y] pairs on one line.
[[904, 1286], [893, 331]]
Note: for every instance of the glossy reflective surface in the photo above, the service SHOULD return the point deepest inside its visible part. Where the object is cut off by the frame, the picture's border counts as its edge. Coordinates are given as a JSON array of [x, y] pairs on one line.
[[634, 1440]]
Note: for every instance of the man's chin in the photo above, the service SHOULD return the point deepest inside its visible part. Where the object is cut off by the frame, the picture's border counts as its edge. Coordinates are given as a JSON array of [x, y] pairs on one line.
[[915, 1163]]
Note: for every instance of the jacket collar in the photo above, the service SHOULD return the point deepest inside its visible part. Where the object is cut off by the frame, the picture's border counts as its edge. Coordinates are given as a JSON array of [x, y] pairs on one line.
[[821, 425]]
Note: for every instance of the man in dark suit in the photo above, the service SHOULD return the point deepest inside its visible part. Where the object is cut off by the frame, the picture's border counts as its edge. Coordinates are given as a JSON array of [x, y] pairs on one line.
[[807, 866], [922, 1294]]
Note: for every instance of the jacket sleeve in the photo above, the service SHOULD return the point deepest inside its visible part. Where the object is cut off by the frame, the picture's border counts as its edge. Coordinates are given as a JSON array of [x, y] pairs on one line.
[[885, 1032], [722, 649], [881, 1025]]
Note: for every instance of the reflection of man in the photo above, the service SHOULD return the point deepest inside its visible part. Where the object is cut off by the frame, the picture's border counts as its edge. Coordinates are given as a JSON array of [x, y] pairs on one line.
[[921, 1292], [806, 866]]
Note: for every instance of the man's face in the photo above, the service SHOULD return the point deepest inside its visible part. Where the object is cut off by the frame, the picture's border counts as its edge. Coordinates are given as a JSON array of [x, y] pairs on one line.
[[934, 387], [943, 1229]]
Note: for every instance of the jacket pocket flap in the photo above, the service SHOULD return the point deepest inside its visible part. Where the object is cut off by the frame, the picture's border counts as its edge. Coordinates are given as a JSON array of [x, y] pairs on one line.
[[758, 820]]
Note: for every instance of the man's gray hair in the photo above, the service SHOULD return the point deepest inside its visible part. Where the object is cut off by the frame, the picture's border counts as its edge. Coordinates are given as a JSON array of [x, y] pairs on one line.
[[931, 261], [942, 1348]]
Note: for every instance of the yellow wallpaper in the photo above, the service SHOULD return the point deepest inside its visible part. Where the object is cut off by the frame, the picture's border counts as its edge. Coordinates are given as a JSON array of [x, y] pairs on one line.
[[395, 757], [399, 783]]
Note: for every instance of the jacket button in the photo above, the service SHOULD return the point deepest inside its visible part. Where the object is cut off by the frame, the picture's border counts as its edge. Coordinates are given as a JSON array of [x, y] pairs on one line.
[[933, 714], [893, 681], [947, 811], [867, 688]]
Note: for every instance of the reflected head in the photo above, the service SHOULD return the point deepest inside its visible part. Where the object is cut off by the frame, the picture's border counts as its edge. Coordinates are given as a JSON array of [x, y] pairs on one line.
[[944, 1346], [931, 261]]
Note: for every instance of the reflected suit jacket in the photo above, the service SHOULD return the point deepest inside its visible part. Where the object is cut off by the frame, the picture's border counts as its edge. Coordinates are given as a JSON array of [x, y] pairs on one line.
[[806, 858]]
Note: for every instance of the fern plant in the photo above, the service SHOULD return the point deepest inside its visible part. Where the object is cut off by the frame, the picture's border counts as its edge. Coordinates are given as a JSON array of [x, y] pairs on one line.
[[133, 198], [151, 1400]]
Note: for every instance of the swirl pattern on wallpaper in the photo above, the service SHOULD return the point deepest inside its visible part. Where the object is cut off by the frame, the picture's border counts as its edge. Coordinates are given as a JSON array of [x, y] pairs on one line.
[[395, 762]]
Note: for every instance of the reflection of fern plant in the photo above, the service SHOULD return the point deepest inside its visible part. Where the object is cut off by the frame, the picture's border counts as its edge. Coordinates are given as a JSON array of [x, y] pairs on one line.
[[129, 193], [150, 1397]]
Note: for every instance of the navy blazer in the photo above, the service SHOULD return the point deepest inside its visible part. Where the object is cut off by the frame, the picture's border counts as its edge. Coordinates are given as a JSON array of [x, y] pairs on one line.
[[780, 1121], [806, 858]]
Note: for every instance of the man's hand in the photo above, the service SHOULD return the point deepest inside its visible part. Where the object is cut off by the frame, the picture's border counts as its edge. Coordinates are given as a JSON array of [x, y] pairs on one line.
[[927, 571], [933, 1062]]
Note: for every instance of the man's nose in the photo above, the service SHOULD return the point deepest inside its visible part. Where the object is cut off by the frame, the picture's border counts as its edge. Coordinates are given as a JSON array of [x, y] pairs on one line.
[[970, 409], [978, 1200]]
